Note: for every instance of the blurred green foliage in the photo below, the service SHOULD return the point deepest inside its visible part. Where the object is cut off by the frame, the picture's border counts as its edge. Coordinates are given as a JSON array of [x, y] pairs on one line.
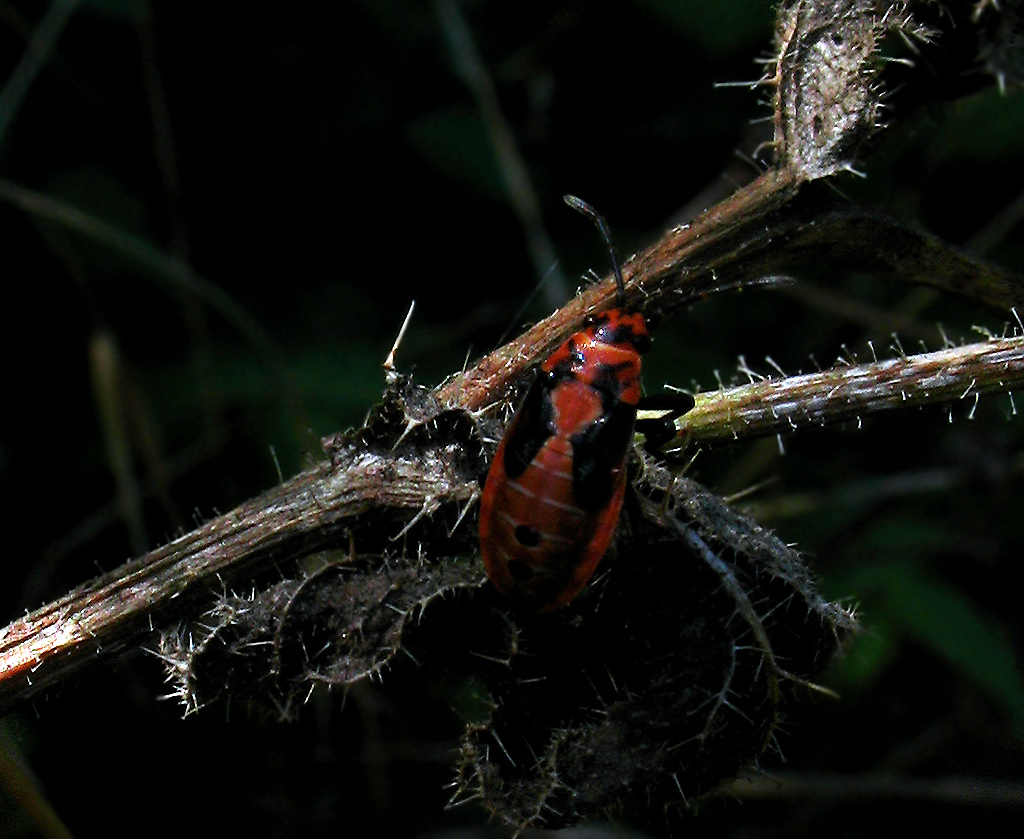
[[318, 167]]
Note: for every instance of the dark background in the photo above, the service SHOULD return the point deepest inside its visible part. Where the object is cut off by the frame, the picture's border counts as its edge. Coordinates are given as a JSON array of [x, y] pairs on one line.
[[321, 165]]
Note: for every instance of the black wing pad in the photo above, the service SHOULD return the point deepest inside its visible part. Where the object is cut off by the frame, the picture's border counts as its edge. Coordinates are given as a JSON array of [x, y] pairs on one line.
[[597, 452], [531, 428]]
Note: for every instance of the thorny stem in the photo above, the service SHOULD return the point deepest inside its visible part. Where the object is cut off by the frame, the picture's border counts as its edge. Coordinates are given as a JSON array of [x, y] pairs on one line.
[[315, 508], [777, 406], [685, 261], [757, 231], [306, 513]]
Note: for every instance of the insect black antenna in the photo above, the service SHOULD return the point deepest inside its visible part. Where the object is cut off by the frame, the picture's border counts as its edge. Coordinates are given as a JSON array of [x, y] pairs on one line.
[[582, 206]]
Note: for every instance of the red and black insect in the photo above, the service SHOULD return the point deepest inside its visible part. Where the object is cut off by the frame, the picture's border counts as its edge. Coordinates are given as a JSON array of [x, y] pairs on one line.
[[555, 487]]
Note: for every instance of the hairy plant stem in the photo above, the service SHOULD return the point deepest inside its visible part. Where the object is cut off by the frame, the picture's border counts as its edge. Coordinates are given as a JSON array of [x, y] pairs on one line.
[[735, 239]]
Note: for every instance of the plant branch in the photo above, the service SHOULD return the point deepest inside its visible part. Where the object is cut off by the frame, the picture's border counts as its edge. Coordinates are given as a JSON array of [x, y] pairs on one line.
[[310, 512], [319, 507], [781, 405], [422, 450], [687, 261]]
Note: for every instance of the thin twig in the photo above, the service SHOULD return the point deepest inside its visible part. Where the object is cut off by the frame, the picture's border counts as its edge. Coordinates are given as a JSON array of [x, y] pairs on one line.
[[37, 53], [781, 405], [312, 510], [686, 260], [173, 272], [514, 171]]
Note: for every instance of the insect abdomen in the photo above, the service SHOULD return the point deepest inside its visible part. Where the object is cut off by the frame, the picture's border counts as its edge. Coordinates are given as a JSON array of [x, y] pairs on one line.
[[553, 494]]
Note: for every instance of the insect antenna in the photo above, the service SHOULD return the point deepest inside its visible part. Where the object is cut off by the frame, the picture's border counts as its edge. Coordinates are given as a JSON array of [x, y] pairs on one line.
[[582, 206], [765, 281]]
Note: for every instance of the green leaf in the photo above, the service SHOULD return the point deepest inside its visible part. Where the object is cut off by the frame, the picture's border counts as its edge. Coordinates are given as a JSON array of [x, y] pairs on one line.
[[920, 606], [865, 657]]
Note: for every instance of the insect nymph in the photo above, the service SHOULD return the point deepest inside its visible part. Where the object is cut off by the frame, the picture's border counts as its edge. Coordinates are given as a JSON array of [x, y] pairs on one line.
[[555, 487]]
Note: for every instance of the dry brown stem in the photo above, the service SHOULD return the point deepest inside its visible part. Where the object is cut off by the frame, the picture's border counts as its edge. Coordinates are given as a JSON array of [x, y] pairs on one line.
[[763, 228], [317, 507]]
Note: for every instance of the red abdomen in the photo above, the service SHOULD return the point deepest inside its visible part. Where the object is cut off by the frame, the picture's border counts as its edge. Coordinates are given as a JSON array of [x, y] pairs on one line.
[[555, 487]]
